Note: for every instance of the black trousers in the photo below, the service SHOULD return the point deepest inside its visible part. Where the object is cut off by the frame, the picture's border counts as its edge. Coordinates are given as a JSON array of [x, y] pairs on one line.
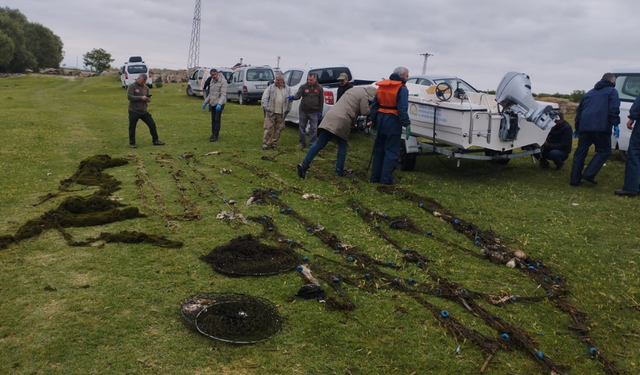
[[215, 120], [133, 121]]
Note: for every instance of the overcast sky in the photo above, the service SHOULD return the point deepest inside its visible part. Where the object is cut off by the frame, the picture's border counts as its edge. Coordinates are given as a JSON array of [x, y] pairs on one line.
[[563, 45]]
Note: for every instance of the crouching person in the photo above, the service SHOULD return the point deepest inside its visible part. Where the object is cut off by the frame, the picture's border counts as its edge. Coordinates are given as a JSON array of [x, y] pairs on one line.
[[557, 147], [276, 107], [337, 126]]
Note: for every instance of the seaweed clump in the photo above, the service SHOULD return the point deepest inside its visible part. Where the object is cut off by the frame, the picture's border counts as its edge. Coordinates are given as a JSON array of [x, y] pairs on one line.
[[132, 237], [77, 211]]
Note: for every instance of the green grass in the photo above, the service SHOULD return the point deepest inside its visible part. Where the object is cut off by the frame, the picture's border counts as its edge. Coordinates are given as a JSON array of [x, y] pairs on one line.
[[115, 309]]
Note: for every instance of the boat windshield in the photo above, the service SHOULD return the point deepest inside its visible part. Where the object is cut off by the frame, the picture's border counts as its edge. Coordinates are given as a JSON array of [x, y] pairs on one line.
[[456, 83]]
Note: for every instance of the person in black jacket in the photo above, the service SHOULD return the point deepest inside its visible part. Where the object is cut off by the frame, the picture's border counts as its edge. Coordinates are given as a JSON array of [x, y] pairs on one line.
[[557, 147], [344, 85]]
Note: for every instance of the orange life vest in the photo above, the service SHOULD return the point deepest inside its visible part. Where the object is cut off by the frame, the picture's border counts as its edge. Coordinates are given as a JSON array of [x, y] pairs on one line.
[[388, 95]]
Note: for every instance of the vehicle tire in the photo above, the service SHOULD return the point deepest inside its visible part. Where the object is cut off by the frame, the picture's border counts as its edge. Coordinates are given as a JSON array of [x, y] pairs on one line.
[[501, 161], [406, 161], [241, 100], [623, 156], [150, 86], [190, 91]]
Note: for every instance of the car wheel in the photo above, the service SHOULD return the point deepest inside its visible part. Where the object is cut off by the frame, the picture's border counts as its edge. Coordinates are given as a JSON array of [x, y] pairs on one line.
[[189, 91], [407, 161], [150, 85], [241, 100], [623, 156]]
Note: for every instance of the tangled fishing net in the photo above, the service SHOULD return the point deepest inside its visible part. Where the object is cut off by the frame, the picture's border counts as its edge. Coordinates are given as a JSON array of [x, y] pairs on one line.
[[246, 256]]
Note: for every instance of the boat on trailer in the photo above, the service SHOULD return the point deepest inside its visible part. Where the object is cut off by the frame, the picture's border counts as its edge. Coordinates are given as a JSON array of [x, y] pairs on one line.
[[472, 125]]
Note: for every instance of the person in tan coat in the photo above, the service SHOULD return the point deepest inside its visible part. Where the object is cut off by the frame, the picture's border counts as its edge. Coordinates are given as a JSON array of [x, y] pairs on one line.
[[216, 99], [337, 126], [276, 107]]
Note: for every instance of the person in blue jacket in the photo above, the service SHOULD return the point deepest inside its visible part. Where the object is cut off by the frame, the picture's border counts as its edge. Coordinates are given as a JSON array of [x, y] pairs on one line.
[[597, 113], [632, 165], [389, 113]]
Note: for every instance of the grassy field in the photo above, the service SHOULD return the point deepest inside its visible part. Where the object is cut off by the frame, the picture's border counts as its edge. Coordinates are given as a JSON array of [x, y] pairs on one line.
[[114, 309]]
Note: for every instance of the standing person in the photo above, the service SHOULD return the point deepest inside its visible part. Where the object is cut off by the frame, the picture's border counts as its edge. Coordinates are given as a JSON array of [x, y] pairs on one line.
[[389, 112], [139, 97], [311, 107], [337, 126], [217, 97], [344, 85], [597, 114], [205, 87], [557, 147], [276, 107], [632, 164]]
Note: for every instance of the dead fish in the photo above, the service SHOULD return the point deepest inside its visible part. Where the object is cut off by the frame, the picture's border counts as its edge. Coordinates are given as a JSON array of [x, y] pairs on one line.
[[250, 201], [520, 254], [212, 153]]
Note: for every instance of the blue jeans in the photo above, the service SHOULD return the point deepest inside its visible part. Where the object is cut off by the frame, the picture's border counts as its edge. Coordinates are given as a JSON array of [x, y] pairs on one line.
[[556, 156], [386, 151], [312, 119], [324, 138], [632, 165], [602, 141]]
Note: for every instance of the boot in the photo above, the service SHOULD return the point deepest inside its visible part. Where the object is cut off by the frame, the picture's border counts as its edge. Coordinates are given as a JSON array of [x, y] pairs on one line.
[[341, 173], [302, 169]]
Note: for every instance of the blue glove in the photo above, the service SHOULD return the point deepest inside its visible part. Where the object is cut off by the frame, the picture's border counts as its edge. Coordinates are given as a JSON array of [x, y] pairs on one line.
[[319, 115], [204, 105], [616, 131], [218, 108], [575, 134], [290, 97]]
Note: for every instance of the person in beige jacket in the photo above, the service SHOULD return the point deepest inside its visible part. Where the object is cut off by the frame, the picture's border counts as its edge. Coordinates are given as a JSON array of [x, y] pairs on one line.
[[216, 99], [276, 107], [337, 126]]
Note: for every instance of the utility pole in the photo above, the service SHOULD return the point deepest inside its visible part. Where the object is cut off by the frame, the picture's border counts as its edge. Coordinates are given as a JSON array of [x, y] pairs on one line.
[[424, 66], [278, 63], [194, 46]]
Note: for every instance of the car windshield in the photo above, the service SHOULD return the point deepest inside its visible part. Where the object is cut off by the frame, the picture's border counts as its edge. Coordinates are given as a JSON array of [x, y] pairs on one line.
[[330, 75], [260, 75], [456, 83], [628, 86], [136, 69], [227, 75]]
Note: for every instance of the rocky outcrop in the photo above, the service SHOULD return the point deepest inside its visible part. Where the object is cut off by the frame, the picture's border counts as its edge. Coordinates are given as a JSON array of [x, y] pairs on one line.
[[169, 76]]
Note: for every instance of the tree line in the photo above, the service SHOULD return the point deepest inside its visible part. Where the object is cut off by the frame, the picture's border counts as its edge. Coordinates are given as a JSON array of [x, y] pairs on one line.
[[26, 45]]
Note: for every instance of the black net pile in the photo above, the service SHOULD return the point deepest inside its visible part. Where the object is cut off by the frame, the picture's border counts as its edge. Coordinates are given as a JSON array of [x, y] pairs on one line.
[[246, 256], [232, 317]]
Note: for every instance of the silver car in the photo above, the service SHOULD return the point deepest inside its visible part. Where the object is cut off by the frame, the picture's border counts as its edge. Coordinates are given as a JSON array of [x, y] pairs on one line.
[[249, 82]]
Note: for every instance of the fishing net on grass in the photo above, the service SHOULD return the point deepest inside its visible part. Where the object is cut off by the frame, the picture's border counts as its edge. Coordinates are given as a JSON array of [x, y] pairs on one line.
[[232, 317], [246, 256]]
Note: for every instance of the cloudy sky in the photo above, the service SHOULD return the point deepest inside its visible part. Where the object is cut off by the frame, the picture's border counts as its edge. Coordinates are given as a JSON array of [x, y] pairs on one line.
[[563, 45]]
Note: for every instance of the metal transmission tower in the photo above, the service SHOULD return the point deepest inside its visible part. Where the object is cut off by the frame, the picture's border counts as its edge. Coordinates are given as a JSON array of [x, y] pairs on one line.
[[424, 66], [194, 46]]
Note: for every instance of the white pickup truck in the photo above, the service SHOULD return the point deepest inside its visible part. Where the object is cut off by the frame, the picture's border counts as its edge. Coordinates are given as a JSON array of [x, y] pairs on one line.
[[327, 78]]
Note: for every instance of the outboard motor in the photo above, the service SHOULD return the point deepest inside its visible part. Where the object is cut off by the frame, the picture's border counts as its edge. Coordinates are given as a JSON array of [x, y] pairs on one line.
[[514, 95]]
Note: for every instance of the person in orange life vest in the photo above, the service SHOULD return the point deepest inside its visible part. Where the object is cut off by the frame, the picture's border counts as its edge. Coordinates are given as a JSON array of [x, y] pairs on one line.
[[389, 113]]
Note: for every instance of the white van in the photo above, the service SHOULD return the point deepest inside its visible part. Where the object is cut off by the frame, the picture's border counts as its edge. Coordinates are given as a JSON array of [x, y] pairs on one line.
[[131, 69], [199, 77], [628, 86], [249, 82]]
